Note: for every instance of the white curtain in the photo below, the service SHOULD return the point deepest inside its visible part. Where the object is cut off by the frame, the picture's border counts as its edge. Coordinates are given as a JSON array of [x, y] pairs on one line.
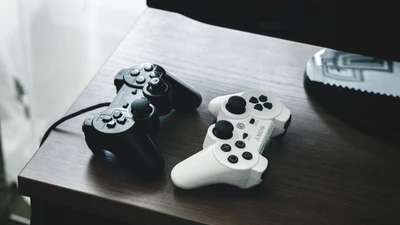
[[49, 51]]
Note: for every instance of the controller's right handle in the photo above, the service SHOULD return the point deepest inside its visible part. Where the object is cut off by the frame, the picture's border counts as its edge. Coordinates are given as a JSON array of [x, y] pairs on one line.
[[184, 96], [281, 122], [139, 149]]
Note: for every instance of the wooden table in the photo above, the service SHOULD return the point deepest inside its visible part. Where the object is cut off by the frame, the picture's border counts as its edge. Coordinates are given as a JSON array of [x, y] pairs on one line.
[[322, 172]]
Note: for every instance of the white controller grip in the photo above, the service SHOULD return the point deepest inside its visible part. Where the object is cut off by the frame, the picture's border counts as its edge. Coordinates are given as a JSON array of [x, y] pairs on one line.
[[279, 122], [199, 170]]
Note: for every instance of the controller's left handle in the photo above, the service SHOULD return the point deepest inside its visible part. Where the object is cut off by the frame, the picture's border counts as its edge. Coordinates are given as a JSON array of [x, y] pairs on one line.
[[90, 136]]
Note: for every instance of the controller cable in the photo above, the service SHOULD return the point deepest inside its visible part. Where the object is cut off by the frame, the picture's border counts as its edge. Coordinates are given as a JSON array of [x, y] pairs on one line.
[[72, 115]]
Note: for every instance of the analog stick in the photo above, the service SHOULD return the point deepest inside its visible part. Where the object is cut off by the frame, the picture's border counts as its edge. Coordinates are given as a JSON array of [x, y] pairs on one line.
[[141, 107], [236, 105], [223, 129], [156, 86]]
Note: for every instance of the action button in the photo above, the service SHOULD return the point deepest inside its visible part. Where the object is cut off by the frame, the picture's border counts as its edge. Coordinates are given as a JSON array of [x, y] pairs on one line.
[[245, 135], [253, 100], [240, 144], [225, 147], [148, 67], [111, 124], [134, 72], [236, 105], [233, 159], [107, 118], [134, 91], [121, 120], [117, 114], [268, 105], [223, 129], [247, 155], [258, 107], [263, 98], [252, 121], [155, 74], [140, 79], [125, 105]]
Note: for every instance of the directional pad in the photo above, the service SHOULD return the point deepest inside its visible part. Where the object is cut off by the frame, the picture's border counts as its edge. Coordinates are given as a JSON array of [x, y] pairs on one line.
[[258, 107], [263, 98], [260, 102], [253, 100]]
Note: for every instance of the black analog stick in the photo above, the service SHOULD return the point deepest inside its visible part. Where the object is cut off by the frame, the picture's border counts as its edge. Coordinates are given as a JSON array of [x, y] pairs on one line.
[[223, 129], [156, 85], [141, 107], [236, 105]]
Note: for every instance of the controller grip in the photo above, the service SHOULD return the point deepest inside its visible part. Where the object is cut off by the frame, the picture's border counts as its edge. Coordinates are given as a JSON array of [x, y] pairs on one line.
[[201, 169], [184, 96], [139, 149]]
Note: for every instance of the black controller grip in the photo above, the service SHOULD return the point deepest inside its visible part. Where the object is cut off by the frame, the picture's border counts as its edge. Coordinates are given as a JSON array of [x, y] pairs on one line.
[[184, 96], [137, 148]]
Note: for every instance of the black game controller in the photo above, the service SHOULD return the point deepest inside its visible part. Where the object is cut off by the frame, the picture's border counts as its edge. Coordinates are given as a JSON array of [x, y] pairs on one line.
[[145, 92]]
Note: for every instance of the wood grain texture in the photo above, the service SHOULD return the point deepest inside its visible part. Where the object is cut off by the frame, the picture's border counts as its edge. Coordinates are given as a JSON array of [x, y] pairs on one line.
[[322, 172]]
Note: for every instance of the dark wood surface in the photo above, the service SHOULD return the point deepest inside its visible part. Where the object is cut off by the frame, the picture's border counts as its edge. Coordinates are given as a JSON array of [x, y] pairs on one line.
[[322, 172]]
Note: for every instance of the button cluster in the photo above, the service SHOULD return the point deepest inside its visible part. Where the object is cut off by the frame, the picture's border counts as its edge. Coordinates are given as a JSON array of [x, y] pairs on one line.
[[260, 102], [239, 144], [141, 76], [111, 121]]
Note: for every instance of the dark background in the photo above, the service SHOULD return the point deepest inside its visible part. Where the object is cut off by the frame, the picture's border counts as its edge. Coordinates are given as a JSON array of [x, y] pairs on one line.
[[368, 28]]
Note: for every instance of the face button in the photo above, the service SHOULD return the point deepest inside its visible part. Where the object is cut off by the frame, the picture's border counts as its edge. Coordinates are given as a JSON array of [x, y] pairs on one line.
[[236, 105], [117, 114], [121, 120], [107, 118], [245, 135], [247, 155], [240, 144], [223, 129], [240, 126], [253, 100], [263, 98], [258, 107], [134, 72], [125, 105], [233, 159], [268, 105], [225, 147], [134, 91], [252, 121], [148, 67], [141, 107], [111, 124], [155, 74], [140, 79]]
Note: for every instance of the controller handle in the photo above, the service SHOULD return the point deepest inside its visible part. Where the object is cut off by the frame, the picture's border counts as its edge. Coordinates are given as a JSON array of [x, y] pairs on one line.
[[201, 169], [184, 96], [137, 148]]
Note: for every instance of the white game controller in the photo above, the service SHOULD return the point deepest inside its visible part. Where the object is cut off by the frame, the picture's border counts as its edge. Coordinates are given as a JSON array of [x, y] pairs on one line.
[[233, 146]]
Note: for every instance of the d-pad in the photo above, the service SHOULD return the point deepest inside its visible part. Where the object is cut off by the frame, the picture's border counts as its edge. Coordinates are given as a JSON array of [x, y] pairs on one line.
[[260, 102]]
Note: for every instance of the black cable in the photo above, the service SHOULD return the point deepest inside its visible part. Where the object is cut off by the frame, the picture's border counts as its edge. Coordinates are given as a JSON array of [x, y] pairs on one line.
[[104, 104]]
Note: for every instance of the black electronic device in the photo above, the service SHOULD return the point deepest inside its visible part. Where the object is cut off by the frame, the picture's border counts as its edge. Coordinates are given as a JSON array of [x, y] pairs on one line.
[[145, 92]]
